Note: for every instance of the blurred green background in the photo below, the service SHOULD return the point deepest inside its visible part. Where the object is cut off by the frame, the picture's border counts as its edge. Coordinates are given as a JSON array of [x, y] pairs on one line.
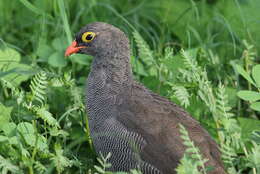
[[43, 125]]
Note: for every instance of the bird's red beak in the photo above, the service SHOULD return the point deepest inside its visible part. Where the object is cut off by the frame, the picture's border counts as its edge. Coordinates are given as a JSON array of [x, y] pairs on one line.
[[73, 48]]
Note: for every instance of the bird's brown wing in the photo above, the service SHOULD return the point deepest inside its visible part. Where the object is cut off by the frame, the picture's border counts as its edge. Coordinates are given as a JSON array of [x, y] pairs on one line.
[[157, 120]]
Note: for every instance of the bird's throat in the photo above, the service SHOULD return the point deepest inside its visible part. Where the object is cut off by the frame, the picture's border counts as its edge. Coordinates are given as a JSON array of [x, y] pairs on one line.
[[107, 80], [113, 67]]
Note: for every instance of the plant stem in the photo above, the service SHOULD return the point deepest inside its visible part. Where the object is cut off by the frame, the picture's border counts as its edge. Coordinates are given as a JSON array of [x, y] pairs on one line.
[[31, 170], [88, 134]]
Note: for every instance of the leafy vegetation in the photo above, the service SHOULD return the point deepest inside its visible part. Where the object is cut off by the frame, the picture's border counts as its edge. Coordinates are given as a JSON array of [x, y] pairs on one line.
[[200, 54]]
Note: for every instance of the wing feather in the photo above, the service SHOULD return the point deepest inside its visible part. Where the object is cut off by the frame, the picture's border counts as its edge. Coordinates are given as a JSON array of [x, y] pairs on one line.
[[157, 120]]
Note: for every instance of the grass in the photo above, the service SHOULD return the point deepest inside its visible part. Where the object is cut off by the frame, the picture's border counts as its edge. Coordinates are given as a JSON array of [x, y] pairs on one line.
[[201, 54]]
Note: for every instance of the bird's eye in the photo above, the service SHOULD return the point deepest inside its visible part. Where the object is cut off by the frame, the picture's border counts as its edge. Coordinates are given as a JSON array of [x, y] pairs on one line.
[[88, 36]]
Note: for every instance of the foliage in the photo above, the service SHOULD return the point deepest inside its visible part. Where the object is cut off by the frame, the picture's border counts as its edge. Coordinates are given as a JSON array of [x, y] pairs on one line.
[[105, 165], [201, 54], [248, 95], [192, 156]]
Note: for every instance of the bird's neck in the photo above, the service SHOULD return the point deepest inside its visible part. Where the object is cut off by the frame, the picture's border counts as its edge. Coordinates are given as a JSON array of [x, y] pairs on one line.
[[107, 84], [115, 66]]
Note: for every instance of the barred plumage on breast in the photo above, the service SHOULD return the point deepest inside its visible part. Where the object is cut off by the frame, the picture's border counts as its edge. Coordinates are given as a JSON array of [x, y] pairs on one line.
[[108, 134], [125, 147]]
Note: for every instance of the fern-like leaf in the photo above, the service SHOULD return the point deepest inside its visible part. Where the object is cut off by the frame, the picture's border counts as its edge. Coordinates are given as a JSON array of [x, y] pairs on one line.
[[40, 168], [222, 105], [182, 95], [38, 86], [60, 161], [230, 136], [187, 166], [190, 62], [228, 154], [6, 166], [46, 116], [192, 151], [145, 53], [194, 73], [254, 158], [103, 161], [225, 117]]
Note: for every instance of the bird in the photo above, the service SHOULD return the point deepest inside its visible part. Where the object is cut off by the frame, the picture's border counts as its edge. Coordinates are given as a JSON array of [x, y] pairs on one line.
[[139, 128]]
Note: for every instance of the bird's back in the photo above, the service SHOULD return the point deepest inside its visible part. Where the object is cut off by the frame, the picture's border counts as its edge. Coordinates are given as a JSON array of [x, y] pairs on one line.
[[157, 120]]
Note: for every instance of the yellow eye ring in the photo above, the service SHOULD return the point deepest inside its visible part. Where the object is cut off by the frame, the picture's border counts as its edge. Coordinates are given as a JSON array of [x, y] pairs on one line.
[[88, 36]]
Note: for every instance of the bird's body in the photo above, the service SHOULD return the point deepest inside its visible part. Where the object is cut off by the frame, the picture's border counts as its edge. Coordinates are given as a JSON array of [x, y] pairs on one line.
[[139, 128]]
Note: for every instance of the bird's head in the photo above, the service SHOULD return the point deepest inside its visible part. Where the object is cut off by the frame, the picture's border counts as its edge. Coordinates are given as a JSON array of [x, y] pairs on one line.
[[98, 39]]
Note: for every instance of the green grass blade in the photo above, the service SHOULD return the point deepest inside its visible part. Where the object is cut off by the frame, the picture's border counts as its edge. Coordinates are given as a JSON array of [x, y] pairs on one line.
[[65, 20]]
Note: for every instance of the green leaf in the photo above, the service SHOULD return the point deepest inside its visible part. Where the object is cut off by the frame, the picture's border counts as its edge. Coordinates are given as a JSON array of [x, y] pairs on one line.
[[3, 138], [81, 59], [248, 125], [60, 161], [138, 67], [256, 136], [22, 72], [173, 63], [47, 116], [99, 169], [10, 63], [249, 95], [9, 129], [42, 143], [26, 131], [7, 166], [255, 106], [13, 140], [56, 132], [232, 96], [256, 75], [242, 72], [145, 54], [57, 59], [58, 44], [2, 74], [25, 128], [144, 50], [5, 115], [44, 51], [8, 56]]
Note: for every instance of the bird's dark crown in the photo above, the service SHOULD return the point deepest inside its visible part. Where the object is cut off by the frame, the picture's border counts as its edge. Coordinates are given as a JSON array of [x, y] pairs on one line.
[[107, 39], [95, 27]]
